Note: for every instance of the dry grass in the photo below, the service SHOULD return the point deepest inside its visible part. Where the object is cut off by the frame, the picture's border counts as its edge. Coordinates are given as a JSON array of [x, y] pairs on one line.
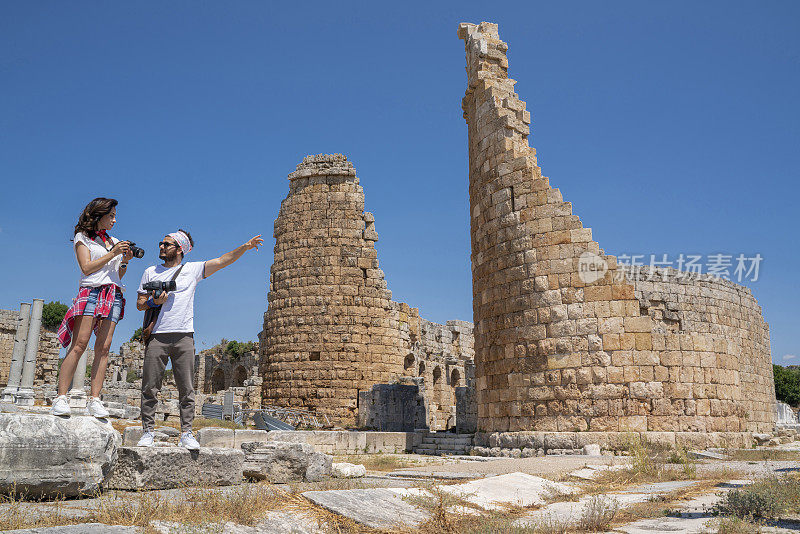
[[194, 507], [329, 484], [735, 525], [649, 463], [451, 514], [17, 514], [382, 461], [762, 455], [244, 505]]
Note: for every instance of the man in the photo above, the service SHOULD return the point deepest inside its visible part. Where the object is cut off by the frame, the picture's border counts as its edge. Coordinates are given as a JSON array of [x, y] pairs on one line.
[[173, 333]]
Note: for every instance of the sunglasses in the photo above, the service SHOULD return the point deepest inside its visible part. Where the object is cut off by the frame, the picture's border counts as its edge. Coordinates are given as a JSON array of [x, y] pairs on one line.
[[166, 244]]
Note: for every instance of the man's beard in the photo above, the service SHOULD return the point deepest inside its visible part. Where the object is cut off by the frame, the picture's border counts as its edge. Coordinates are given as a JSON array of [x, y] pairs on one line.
[[166, 256]]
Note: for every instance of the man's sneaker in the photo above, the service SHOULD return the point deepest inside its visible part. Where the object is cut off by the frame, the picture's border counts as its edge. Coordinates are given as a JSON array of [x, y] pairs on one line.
[[187, 440], [60, 406], [95, 408], [146, 440]]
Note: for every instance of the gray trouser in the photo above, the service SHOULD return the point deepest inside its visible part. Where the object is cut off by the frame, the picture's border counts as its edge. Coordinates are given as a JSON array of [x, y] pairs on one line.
[[179, 347]]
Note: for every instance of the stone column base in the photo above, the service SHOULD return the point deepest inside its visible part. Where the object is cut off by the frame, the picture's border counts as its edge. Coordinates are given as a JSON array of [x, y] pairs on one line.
[[77, 398], [9, 394], [24, 397]]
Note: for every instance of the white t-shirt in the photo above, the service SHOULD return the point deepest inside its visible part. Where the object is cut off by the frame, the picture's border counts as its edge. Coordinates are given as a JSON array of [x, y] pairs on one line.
[[177, 313], [108, 273]]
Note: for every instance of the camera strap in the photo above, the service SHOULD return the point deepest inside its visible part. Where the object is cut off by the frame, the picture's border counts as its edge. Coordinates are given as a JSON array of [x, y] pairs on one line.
[[151, 314]]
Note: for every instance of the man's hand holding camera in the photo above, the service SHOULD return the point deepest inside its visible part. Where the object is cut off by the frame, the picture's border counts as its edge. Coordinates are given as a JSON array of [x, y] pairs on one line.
[[161, 298]]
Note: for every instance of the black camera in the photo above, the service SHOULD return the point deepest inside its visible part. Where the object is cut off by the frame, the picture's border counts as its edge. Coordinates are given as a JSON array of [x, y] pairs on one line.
[[158, 287], [136, 251], [169, 285]]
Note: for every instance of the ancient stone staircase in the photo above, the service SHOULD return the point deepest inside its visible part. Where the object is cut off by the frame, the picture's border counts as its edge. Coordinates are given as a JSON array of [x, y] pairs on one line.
[[441, 443]]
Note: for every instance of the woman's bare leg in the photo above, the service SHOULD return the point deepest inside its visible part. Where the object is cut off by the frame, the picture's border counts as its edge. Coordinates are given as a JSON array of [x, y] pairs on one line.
[[102, 345], [81, 332]]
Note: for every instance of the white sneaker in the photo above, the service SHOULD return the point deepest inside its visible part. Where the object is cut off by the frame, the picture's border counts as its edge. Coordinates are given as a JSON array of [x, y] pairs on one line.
[[95, 408], [146, 440], [187, 440], [60, 406]]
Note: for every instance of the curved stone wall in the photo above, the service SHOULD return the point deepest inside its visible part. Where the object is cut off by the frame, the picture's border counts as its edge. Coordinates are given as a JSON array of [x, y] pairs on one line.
[[564, 339], [718, 344], [331, 328]]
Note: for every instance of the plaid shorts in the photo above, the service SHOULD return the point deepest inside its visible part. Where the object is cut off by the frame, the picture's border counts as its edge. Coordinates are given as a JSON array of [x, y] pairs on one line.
[[91, 303]]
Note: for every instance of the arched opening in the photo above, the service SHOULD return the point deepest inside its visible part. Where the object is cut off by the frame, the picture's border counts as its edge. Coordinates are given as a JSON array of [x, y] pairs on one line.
[[437, 374], [408, 364], [455, 377], [421, 369], [217, 381], [239, 376]]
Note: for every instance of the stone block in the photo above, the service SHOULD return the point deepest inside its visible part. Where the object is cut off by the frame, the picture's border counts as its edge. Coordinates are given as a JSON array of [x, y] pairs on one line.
[[346, 470], [151, 468], [44, 455], [216, 437], [280, 462], [244, 436], [131, 435]]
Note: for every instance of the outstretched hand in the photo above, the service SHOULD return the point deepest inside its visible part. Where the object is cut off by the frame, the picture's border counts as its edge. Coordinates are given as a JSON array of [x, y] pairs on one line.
[[254, 242]]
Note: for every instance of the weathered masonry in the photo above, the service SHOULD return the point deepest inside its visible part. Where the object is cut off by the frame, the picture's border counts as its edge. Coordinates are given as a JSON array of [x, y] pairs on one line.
[[331, 328], [556, 350]]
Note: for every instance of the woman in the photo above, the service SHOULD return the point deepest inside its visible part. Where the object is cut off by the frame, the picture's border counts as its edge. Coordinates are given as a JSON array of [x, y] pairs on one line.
[[99, 305]]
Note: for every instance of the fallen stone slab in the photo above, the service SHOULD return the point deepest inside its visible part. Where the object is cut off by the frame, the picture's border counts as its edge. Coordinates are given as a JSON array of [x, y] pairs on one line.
[[174, 467], [280, 462], [271, 523], [707, 455], [591, 449], [346, 470], [672, 525], [566, 514], [585, 473], [83, 528], [517, 489], [380, 508], [48, 456], [215, 437], [694, 516], [662, 488], [436, 475]]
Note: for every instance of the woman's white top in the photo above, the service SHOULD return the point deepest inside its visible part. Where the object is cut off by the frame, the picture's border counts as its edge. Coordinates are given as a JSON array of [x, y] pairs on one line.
[[108, 273]]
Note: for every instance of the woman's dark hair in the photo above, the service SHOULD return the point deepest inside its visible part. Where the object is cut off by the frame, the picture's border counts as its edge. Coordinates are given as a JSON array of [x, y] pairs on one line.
[[92, 213]]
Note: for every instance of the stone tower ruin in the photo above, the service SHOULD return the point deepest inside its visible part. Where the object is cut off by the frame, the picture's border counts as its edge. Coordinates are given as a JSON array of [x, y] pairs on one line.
[[331, 329], [603, 349]]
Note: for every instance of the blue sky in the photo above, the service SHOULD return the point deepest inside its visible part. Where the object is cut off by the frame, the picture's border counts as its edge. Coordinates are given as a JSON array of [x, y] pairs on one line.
[[671, 127]]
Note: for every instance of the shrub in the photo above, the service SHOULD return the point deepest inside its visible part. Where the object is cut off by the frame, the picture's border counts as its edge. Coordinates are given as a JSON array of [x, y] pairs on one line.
[[736, 526], [766, 498], [787, 384], [131, 376], [137, 334], [52, 314], [239, 348], [598, 514]]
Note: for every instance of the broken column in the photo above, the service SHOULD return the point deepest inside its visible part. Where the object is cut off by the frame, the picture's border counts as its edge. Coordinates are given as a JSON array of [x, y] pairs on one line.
[[77, 395], [25, 392], [18, 355], [565, 339]]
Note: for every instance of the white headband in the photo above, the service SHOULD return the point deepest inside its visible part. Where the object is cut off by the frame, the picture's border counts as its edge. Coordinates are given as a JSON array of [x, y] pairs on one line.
[[183, 241]]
